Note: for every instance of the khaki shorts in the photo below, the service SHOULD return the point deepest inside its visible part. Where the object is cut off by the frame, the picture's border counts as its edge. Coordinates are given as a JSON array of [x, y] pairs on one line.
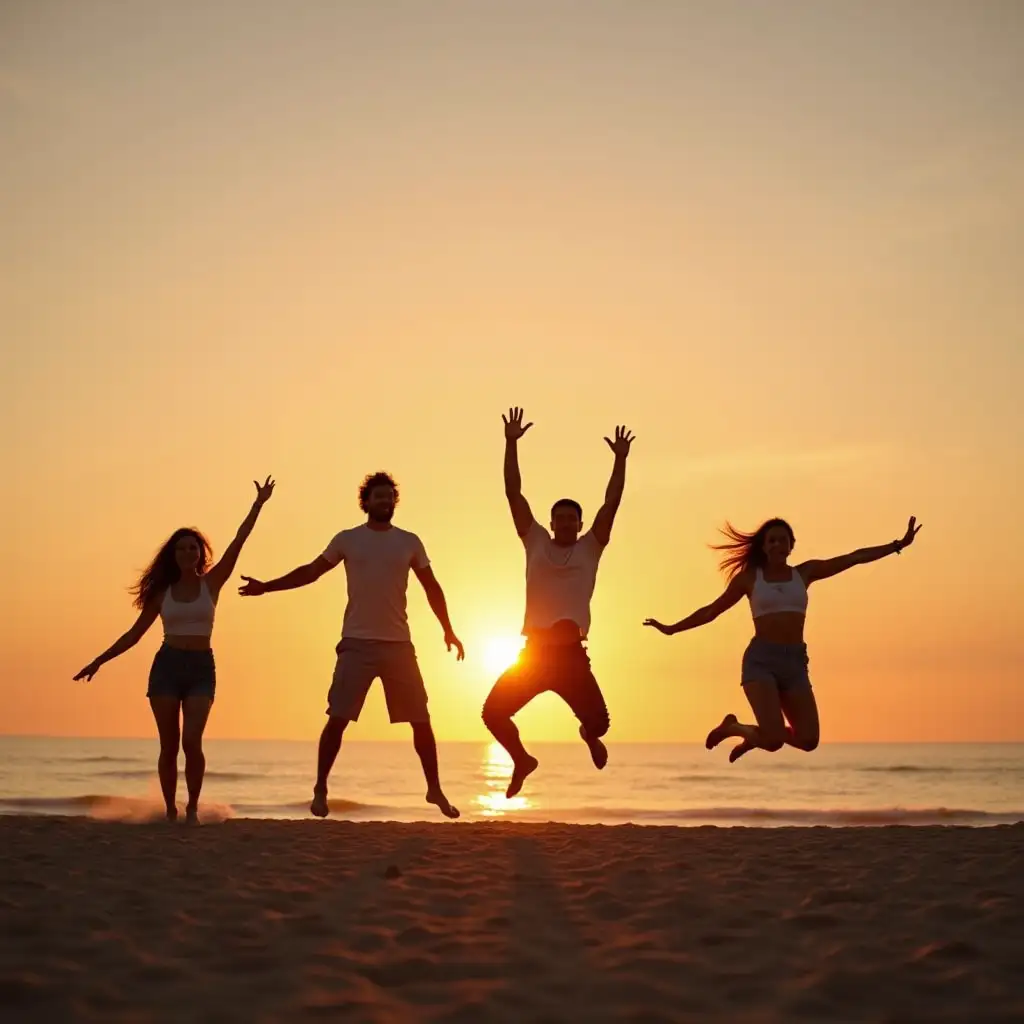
[[360, 662]]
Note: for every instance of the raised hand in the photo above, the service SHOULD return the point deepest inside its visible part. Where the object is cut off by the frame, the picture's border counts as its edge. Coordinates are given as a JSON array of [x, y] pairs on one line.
[[88, 672], [451, 640], [659, 626], [263, 492], [252, 587], [623, 439], [514, 428], [908, 537]]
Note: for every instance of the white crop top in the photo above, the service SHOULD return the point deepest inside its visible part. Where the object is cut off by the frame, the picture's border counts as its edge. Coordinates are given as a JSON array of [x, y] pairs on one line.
[[188, 618], [769, 597]]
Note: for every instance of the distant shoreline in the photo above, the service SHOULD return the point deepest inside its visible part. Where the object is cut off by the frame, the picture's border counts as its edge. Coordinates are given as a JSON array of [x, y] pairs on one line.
[[148, 811], [484, 740]]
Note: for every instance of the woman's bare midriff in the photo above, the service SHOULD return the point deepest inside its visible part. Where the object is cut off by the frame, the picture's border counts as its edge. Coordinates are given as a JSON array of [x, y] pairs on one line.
[[188, 643], [780, 628]]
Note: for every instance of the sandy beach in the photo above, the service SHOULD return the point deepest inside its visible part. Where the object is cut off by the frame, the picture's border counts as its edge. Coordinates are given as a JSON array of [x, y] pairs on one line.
[[282, 921]]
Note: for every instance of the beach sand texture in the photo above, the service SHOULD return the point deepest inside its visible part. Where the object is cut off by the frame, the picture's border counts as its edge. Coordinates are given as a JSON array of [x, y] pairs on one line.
[[288, 921]]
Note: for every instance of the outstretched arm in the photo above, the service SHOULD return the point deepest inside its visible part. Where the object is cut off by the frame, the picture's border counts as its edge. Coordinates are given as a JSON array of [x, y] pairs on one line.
[[221, 572], [823, 568], [736, 589], [126, 641], [602, 528], [300, 577], [522, 515], [439, 606]]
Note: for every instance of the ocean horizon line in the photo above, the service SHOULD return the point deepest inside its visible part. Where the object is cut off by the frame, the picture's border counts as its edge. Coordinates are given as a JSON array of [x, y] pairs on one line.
[[314, 736]]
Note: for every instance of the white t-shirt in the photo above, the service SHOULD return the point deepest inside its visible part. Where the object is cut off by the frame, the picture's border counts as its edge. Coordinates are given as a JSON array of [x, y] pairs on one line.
[[559, 580], [377, 564]]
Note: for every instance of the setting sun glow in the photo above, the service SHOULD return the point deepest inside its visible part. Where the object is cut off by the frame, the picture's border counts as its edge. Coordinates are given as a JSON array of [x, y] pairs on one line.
[[496, 768], [501, 652], [477, 206]]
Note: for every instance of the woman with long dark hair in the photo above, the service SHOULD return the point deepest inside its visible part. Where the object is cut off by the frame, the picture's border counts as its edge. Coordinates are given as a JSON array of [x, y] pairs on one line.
[[774, 675], [182, 588]]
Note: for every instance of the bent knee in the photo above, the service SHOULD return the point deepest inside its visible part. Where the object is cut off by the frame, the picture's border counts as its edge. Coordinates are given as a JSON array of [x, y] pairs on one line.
[[771, 740], [808, 742], [494, 714], [596, 727]]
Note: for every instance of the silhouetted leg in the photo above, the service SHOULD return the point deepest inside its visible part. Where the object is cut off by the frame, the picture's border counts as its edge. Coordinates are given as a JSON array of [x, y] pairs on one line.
[[166, 711], [801, 711], [195, 713], [330, 744], [426, 748], [580, 690], [513, 691], [770, 731], [354, 671]]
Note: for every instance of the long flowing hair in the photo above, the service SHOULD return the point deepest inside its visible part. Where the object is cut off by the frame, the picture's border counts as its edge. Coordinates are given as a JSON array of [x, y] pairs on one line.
[[163, 571], [746, 550]]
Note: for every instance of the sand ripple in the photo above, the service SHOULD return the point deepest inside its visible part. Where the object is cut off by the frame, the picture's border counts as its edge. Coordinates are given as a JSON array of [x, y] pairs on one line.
[[286, 921]]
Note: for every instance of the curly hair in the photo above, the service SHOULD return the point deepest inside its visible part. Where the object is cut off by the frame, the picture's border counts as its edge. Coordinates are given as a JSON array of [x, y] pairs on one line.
[[163, 570], [378, 479]]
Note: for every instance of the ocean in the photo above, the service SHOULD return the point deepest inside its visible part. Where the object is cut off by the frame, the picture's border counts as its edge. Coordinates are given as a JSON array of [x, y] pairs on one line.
[[646, 784]]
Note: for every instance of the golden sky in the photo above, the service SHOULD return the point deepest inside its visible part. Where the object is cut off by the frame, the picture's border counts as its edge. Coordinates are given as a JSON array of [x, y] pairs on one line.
[[781, 242]]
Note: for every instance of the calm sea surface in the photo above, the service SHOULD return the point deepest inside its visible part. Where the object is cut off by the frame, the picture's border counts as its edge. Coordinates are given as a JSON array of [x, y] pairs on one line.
[[866, 784]]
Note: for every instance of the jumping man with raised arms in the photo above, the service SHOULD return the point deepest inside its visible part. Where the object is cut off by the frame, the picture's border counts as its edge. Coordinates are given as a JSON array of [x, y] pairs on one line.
[[561, 571]]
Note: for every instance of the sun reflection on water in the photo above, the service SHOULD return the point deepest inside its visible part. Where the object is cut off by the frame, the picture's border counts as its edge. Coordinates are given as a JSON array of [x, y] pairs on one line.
[[497, 768]]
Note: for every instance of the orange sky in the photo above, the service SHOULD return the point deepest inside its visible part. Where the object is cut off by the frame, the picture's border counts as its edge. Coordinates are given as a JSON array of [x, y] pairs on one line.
[[781, 243]]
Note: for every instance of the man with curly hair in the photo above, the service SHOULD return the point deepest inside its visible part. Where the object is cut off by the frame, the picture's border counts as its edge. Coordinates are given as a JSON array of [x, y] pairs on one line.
[[375, 641]]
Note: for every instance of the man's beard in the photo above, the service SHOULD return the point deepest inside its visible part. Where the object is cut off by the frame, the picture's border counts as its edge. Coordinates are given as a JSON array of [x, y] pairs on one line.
[[382, 515]]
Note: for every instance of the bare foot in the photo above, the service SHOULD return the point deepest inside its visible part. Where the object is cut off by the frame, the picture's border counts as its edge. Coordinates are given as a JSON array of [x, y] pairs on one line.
[[319, 807], [722, 731], [171, 813], [191, 815], [739, 750], [519, 773], [435, 796], [598, 751]]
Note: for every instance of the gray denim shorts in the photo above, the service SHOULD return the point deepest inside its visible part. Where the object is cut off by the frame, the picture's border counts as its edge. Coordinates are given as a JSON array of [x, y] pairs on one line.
[[786, 665]]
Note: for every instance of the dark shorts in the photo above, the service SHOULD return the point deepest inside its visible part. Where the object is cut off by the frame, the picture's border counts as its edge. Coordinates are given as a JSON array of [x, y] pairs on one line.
[[394, 663], [561, 668], [786, 665], [180, 673]]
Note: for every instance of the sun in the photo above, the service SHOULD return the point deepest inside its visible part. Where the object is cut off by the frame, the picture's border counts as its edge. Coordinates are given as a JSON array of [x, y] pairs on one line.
[[500, 652]]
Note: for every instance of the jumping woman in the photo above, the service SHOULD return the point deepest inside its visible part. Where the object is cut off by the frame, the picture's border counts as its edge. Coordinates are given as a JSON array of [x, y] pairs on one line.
[[774, 673], [182, 588]]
